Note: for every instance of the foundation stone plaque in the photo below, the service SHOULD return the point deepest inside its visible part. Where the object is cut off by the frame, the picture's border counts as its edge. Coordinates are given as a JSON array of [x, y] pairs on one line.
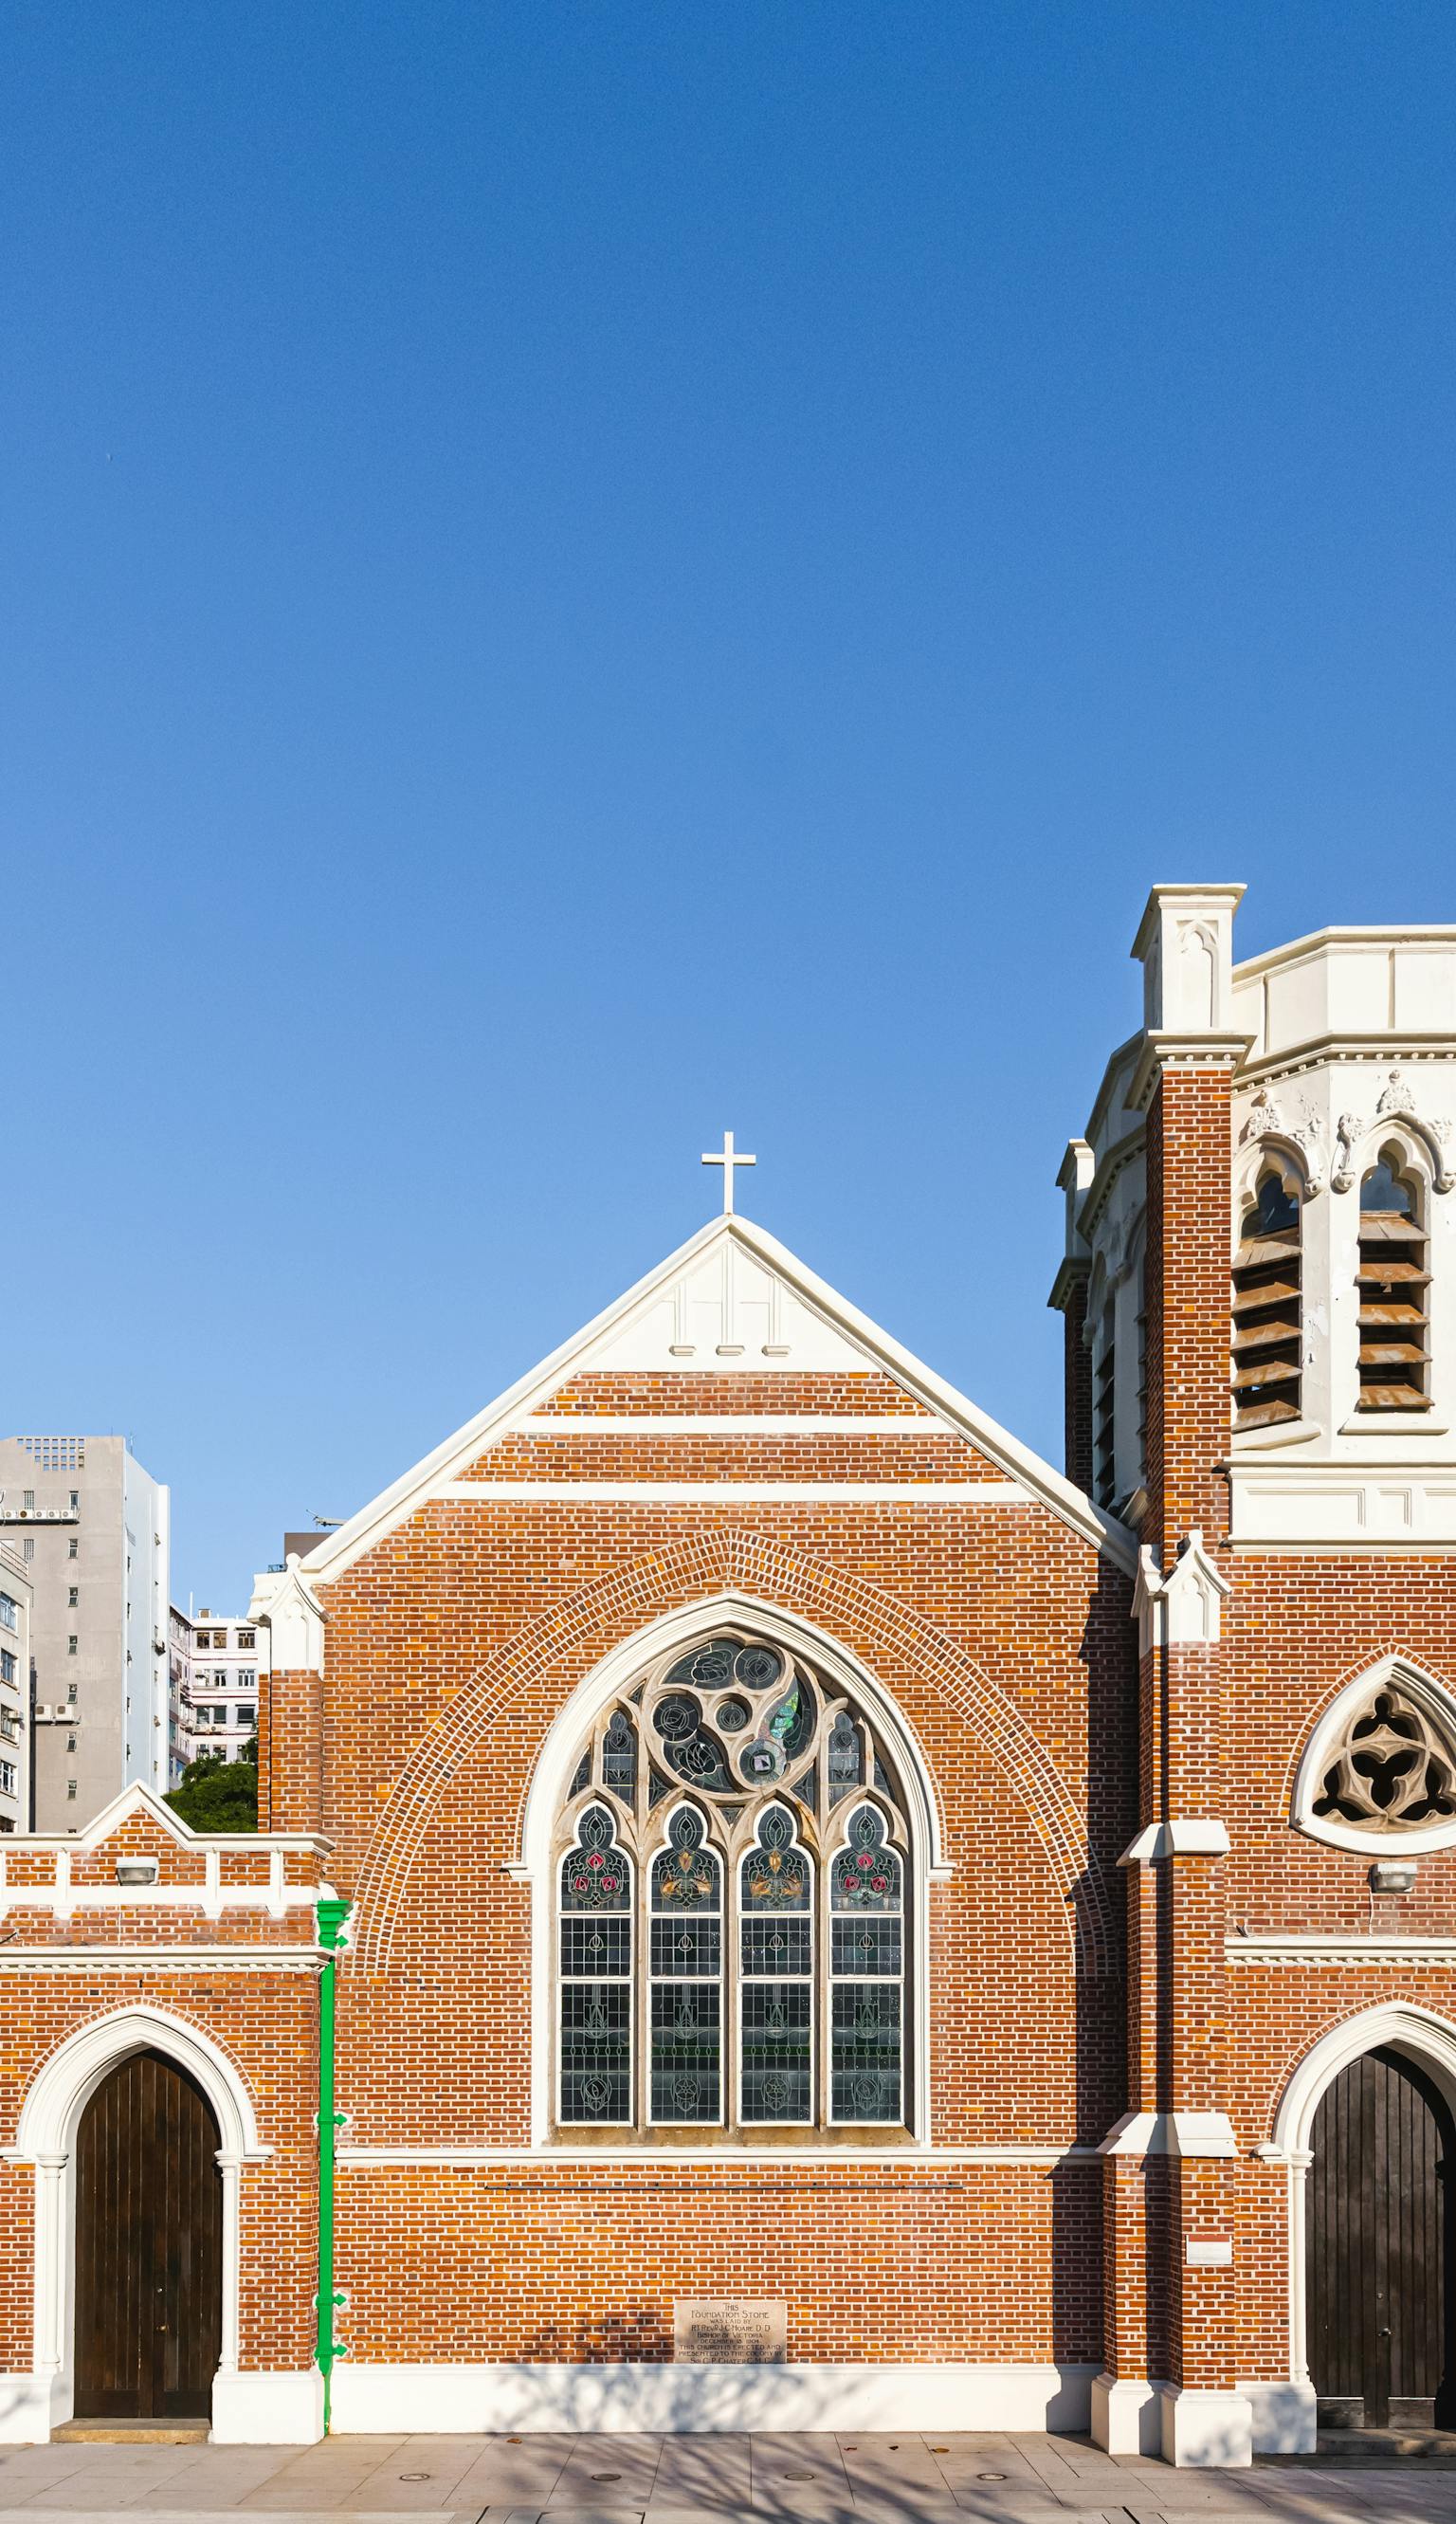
[[729, 2331]]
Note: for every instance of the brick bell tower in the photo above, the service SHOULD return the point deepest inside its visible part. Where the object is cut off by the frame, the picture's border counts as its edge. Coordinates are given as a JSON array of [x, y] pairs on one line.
[[1145, 1291], [1260, 1297]]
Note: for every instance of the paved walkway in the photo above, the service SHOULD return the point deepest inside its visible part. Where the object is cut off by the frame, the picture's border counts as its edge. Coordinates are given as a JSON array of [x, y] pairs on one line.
[[932, 2479]]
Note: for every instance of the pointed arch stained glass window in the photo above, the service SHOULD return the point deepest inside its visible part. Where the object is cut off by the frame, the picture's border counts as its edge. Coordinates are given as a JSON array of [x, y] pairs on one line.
[[686, 1977], [733, 1906], [866, 1964], [595, 1929]]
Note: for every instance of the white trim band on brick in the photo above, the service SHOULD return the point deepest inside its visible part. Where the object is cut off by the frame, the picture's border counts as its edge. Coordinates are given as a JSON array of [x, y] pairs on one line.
[[919, 1425], [1258, 1947], [490, 2400], [734, 1493], [163, 1959], [911, 2159]]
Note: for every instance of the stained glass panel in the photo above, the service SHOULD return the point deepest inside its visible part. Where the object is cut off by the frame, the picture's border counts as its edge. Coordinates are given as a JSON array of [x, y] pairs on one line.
[[866, 2059], [777, 2074], [595, 1990], [687, 2051], [597, 2051], [866, 1961], [619, 1757], [686, 1958]]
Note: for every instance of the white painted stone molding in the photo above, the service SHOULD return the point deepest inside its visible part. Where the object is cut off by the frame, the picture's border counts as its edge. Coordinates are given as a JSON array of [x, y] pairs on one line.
[[1184, 2134], [293, 1616], [1185, 1836], [1396, 1104], [1293, 1129], [1185, 945], [1183, 1609]]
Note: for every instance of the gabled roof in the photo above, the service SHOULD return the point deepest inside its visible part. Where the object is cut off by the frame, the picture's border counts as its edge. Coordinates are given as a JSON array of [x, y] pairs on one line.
[[139, 1799], [824, 1330]]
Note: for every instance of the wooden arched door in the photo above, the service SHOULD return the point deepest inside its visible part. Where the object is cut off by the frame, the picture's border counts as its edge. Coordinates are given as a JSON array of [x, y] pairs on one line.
[[148, 2246], [1380, 2202]]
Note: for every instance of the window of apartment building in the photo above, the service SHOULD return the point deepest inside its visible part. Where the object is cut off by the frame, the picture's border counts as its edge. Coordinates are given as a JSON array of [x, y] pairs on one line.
[[73, 1550], [28, 1499], [76, 1499], [71, 1743], [247, 1638], [71, 1644], [246, 1713], [10, 1618], [7, 1779], [73, 1594], [71, 1691], [9, 1725], [247, 1677], [28, 1547], [7, 1666], [71, 1787]]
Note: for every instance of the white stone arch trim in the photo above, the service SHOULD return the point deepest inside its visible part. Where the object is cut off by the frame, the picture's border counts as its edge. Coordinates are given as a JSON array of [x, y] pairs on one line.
[[925, 1862], [1418, 2033], [46, 2138], [1249, 1163], [1421, 2036], [1439, 1703], [1359, 1145]]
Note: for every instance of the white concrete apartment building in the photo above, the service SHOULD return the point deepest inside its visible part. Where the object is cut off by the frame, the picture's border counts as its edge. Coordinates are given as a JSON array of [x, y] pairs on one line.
[[15, 1691], [212, 1685], [93, 1533]]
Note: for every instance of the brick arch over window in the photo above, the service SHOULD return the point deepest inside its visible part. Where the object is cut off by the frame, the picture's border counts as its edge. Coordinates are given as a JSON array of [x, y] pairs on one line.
[[879, 1628]]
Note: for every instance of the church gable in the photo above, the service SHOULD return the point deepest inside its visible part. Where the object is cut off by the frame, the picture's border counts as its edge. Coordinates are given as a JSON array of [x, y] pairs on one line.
[[729, 1366]]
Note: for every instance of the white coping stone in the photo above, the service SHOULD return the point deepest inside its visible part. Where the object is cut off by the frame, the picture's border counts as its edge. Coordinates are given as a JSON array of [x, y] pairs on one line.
[[627, 2399]]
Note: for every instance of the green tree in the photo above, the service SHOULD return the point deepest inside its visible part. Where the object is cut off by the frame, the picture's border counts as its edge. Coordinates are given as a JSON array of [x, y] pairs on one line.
[[218, 1795]]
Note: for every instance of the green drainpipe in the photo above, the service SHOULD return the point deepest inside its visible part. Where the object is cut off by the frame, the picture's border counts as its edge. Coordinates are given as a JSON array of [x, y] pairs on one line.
[[333, 1914]]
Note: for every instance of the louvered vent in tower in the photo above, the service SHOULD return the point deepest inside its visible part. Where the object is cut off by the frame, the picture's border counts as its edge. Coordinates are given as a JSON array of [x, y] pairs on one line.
[[1267, 1313], [1105, 1398], [1394, 1352]]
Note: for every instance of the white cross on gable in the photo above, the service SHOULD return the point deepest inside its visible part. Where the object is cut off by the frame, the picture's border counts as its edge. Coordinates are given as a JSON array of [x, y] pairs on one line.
[[727, 1158]]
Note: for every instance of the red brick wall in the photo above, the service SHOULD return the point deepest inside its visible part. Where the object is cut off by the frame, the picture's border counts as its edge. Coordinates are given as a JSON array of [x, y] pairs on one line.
[[1005, 1642]]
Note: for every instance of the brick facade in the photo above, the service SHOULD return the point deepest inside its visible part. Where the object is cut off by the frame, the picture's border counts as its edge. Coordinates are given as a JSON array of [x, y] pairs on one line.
[[1121, 1970]]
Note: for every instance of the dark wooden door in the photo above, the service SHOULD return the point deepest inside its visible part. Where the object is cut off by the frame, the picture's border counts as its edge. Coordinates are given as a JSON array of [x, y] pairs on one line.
[[148, 2246], [1382, 2190]]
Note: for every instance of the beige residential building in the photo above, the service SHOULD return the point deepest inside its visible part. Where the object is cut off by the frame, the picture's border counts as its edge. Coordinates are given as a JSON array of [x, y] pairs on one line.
[[213, 1686], [92, 1530], [15, 1691]]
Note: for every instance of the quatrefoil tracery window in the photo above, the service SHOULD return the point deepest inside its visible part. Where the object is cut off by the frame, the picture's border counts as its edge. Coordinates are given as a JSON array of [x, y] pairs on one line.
[[732, 1887]]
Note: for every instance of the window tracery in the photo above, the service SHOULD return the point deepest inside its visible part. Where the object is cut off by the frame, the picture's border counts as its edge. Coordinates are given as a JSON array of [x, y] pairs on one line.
[[1391, 1767], [733, 1912]]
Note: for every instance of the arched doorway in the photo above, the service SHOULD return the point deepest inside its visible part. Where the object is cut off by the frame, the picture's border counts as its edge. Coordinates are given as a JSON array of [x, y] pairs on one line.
[[1381, 2221], [148, 2244]]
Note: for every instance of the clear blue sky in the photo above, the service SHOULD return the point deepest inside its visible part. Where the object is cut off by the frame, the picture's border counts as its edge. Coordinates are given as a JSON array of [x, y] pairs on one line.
[[574, 575]]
